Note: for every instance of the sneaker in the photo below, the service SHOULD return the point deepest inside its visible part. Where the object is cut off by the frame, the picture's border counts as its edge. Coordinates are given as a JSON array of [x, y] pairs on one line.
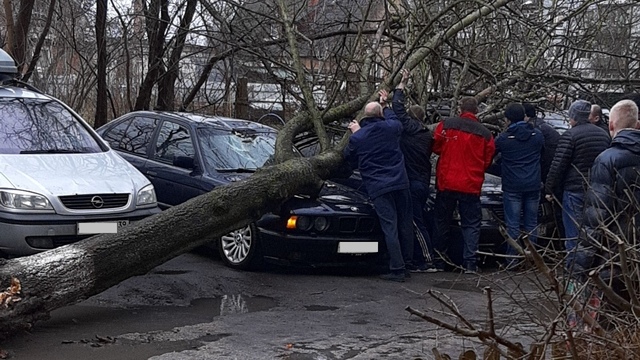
[[433, 270], [471, 271], [418, 269], [393, 277]]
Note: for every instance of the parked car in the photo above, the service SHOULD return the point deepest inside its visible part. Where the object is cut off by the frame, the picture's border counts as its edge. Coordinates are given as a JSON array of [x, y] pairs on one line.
[[59, 181], [559, 120], [186, 155]]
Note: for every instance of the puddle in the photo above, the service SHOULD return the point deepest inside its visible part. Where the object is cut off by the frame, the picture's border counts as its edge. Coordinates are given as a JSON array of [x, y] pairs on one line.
[[77, 328], [320, 308]]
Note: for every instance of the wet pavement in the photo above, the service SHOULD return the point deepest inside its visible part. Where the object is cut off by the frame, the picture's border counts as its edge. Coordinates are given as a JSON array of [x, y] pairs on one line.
[[193, 307]]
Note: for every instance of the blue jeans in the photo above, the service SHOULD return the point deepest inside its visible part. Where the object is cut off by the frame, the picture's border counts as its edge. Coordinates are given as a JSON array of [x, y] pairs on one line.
[[470, 220], [422, 245], [394, 213], [521, 208], [572, 205]]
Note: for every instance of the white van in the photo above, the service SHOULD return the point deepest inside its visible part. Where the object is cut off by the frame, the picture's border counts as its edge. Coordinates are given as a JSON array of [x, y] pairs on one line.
[[59, 181]]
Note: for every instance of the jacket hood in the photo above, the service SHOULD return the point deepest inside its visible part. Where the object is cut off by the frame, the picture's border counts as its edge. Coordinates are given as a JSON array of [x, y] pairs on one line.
[[522, 131], [628, 139]]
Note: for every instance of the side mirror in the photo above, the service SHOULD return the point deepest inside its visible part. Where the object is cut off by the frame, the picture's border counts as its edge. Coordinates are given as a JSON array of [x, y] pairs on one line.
[[185, 162]]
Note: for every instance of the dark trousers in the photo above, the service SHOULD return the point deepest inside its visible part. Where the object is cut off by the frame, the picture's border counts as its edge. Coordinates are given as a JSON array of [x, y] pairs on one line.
[[394, 213], [422, 247], [470, 219]]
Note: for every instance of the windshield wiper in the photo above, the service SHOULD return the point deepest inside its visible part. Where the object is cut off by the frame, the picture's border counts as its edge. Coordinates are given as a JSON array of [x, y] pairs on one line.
[[237, 170], [52, 151]]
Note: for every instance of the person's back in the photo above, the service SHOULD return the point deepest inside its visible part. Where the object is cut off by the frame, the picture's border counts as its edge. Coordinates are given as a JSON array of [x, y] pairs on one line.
[[380, 160], [551, 138], [466, 149], [577, 149], [614, 192], [520, 146]]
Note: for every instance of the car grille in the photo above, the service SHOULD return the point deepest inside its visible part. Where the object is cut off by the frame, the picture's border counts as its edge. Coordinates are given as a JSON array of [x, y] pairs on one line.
[[94, 201], [351, 224]]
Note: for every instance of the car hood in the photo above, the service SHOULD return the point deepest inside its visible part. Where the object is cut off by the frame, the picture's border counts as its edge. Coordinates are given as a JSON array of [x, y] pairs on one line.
[[70, 174], [333, 198]]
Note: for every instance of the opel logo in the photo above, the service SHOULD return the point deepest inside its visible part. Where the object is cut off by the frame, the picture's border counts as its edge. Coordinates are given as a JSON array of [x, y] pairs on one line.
[[97, 202]]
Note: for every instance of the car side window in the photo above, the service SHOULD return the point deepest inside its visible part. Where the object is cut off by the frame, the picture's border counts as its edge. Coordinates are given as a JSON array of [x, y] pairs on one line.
[[115, 134], [138, 135], [173, 140]]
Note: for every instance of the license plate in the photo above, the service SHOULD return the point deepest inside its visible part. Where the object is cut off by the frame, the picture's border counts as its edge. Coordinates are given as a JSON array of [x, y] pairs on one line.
[[357, 247], [110, 227]]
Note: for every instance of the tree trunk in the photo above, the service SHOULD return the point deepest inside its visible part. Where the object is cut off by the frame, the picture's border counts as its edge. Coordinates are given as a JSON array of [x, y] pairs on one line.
[[166, 87], [71, 273], [101, 42], [41, 39]]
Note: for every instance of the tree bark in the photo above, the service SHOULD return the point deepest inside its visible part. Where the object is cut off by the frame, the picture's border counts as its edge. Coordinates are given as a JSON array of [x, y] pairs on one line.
[[101, 42], [71, 273], [43, 36], [166, 87]]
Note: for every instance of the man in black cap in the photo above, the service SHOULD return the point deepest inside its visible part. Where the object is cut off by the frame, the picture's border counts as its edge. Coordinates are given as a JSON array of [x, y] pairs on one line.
[[577, 149], [520, 146]]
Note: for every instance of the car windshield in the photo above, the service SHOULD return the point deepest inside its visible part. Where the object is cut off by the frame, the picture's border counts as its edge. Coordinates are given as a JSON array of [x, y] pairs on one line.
[[34, 126], [237, 150]]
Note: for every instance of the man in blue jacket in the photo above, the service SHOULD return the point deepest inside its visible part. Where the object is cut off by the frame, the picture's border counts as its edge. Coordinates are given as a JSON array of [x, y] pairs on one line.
[[521, 146], [374, 148]]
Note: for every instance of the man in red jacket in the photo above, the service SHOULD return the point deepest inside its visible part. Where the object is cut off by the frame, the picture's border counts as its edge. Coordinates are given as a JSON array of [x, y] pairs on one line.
[[466, 149]]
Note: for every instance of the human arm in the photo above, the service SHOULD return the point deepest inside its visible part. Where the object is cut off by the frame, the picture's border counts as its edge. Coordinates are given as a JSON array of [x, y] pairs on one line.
[[489, 151], [599, 201], [439, 138]]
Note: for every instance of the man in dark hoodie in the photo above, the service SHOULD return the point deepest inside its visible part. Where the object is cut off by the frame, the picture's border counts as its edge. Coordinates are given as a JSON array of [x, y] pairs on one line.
[[577, 149], [521, 148], [374, 148], [613, 189], [416, 142]]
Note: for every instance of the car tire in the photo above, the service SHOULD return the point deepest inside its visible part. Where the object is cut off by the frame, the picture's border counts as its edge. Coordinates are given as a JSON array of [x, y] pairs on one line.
[[240, 249]]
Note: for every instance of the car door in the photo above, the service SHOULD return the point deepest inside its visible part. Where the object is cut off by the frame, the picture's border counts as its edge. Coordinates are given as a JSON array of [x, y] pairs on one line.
[[174, 184], [131, 138]]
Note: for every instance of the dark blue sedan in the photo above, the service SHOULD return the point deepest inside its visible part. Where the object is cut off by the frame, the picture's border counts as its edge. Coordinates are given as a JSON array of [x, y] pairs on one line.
[[186, 155]]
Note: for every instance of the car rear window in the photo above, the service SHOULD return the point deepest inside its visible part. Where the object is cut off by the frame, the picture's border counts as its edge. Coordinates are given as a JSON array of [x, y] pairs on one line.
[[30, 126]]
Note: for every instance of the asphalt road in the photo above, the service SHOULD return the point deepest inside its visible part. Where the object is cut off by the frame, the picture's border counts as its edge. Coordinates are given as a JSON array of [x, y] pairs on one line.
[[193, 307]]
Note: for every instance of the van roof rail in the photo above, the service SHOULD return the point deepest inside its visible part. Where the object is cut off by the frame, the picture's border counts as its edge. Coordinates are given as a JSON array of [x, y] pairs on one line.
[[18, 83], [9, 73]]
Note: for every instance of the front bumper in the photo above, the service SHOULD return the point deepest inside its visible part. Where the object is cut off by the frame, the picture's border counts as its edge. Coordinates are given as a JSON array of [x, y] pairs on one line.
[[17, 229], [315, 249]]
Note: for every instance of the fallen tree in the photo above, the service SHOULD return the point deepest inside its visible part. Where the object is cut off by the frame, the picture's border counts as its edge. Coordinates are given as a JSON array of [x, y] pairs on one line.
[[71, 273]]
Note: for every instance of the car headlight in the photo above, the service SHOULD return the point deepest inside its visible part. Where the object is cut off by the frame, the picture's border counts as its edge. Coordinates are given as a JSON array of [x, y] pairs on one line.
[[146, 196], [321, 223], [23, 200]]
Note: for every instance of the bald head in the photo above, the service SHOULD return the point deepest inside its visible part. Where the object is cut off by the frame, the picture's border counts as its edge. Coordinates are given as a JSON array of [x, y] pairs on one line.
[[623, 115], [373, 109], [596, 114]]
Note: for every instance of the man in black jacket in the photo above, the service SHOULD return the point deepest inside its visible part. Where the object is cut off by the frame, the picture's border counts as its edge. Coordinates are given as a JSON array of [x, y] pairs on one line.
[[416, 142], [614, 192], [577, 149], [550, 135]]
